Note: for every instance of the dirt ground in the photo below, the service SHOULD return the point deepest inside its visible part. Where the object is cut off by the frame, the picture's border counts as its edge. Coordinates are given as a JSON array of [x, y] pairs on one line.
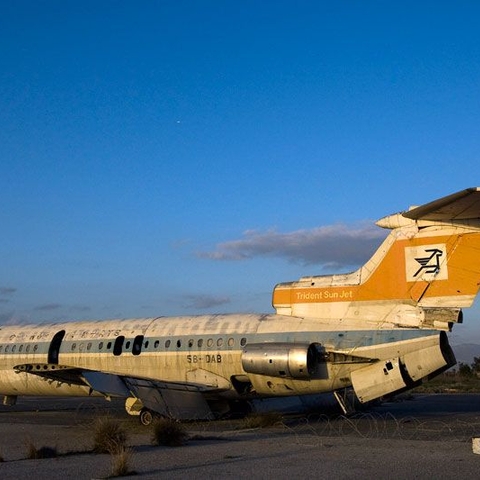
[[426, 436]]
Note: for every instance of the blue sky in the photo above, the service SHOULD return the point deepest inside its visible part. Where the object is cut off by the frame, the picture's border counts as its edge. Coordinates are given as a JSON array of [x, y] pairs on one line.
[[173, 157]]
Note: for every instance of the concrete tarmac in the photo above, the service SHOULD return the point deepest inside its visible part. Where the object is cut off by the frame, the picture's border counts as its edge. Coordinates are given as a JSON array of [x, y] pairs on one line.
[[427, 436]]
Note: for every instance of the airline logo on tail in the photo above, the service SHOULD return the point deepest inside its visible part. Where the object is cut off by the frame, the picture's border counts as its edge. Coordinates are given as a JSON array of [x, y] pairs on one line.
[[426, 262]]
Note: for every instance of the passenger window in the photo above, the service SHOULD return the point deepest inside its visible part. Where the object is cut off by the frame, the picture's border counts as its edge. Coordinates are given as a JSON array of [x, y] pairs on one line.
[[109, 345], [231, 342], [146, 344], [209, 342], [167, 344], [89, 346], [179, 343], [28, 348], [100, 345], [156, 344], [200, 342], [243, 341], [219, 342], [127, 345], [190, 343]]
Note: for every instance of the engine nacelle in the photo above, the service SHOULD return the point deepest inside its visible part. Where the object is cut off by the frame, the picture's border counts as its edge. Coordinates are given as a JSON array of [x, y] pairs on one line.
[[441, 318], [284, 360]]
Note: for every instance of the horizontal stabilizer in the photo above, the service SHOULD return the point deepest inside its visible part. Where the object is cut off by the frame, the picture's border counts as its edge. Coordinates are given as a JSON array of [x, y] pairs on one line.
[[463, 205]]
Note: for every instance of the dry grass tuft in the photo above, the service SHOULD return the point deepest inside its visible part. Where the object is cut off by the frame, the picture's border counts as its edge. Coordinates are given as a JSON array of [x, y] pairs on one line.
[[108, 436], [168, 432], [121, 460], [262, 420], [43, 452]]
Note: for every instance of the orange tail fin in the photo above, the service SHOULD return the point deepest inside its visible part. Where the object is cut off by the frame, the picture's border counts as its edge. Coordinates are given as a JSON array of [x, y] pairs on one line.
[[425, 271]]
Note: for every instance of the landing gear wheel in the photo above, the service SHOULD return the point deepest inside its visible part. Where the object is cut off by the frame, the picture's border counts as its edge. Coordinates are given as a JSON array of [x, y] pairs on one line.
[[146, 417]]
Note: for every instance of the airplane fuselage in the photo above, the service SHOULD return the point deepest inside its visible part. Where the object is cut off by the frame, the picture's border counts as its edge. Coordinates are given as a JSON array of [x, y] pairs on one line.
[[202, 350]]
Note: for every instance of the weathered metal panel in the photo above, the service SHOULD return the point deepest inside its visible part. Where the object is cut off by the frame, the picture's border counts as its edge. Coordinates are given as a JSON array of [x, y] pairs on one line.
[[378, 379], [422, 363]]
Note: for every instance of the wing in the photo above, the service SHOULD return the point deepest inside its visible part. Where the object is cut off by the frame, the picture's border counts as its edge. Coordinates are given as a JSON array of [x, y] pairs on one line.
[[182, 400]]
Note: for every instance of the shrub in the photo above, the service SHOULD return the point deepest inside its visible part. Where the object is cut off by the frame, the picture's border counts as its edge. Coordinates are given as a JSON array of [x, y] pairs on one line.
[[108, 436], [168, 432], [121, 462], [43, 452], [262, 420]]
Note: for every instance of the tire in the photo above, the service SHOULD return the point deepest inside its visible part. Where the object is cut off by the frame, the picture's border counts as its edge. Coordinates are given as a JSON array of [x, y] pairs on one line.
[[146, 417]]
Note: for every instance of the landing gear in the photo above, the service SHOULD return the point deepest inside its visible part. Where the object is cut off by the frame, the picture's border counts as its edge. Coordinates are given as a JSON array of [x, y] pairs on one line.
[[146, 417], [346, 400]]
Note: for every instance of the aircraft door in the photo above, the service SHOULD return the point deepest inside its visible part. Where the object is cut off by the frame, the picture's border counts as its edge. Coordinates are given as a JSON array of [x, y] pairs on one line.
[[118, 345], [54, 348]]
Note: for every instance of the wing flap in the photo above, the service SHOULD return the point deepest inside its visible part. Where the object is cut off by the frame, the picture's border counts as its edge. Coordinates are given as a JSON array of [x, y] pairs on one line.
[[106, 383]]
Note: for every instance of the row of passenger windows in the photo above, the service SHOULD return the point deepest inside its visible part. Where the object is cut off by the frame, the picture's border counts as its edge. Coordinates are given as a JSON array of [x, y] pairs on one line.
[[28, 348], [136, 345], [167, 344]]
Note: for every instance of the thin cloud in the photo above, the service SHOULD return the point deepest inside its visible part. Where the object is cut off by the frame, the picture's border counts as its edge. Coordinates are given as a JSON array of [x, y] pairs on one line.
[[332, 246], [7, 290], [205, 301], [47, 307]]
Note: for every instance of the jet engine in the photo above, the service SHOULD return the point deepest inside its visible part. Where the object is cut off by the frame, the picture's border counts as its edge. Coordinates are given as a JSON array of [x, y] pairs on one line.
[[284, 360]]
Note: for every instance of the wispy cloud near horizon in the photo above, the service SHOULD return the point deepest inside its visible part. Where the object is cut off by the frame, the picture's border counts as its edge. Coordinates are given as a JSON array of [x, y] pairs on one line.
[[47, 307], [7, 290], [204, 301], [331, 246]]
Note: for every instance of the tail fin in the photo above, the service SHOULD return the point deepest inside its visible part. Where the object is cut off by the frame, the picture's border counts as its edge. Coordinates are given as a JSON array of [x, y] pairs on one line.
[[426, 270]]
